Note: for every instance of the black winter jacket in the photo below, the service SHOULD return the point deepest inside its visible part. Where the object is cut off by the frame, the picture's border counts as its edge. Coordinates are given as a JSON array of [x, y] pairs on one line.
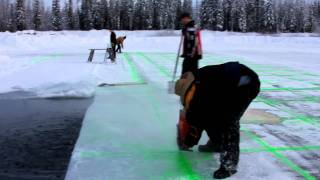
[[189, 44], [216, 87]]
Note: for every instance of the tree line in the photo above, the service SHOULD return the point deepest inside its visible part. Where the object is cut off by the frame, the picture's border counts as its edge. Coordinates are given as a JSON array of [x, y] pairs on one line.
[[268, 16]]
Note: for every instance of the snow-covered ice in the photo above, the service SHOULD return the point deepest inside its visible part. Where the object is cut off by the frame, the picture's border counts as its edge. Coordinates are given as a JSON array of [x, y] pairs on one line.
[[129, 131]]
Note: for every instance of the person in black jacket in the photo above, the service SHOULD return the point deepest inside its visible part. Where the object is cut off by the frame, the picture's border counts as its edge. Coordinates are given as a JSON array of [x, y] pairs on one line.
[[214, 100], [113, 41], [192, 51]]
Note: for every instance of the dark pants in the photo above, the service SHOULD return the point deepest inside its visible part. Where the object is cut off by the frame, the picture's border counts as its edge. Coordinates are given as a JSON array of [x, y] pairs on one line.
[[190, 64], [118, 48], [113, 46], [227, 134]]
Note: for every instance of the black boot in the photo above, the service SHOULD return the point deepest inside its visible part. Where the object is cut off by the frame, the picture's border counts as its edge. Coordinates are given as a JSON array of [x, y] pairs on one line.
[[223, 173], [210, 148]]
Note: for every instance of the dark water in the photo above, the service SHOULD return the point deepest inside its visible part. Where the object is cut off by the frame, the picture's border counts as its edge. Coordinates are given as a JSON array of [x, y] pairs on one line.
[[37, 136]]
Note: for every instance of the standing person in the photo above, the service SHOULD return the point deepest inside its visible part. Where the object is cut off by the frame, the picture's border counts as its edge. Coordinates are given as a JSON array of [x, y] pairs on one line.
[[214, 100], [120, 42], [192, 50], [113, 41]]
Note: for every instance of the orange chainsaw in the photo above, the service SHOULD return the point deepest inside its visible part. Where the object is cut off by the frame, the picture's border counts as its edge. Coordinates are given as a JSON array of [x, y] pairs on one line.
[[187, 135]]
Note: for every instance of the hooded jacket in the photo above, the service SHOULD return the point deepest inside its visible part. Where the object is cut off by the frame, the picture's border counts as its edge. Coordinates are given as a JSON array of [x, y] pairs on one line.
[[192, 47]]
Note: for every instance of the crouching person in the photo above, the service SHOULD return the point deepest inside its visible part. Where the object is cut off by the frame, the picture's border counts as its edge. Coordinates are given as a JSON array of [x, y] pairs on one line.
[[214, 100]]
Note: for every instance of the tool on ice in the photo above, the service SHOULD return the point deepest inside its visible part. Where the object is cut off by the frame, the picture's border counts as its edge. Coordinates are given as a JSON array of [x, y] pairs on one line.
[[171, 84]]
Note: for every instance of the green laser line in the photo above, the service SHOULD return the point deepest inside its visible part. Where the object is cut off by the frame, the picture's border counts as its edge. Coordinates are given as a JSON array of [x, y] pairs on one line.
[[132, 70], [192, 175], [297, 116], [160, 68], [302, 148], [283, 158], [280, 157]]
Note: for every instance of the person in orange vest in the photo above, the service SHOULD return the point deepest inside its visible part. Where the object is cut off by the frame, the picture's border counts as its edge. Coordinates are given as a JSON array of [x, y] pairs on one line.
[[214, 99], [192, 48], [120, 42]]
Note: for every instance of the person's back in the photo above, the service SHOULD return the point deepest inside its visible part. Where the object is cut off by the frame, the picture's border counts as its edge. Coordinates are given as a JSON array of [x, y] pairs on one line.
[[120, 42], [214, 99]]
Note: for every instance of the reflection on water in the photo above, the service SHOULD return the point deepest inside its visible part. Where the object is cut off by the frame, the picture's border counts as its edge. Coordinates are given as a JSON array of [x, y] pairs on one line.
[[37, 136]]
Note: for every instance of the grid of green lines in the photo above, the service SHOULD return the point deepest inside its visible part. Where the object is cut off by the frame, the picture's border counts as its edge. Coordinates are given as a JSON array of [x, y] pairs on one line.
[[274, 79]]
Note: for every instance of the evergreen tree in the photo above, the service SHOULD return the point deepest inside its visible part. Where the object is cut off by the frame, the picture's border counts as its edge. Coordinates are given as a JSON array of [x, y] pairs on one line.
[[112, 17], [11, 26], [270, 17], [205, 14], [242, 12], [29, 15], [316, 14], [69, 17], [85, 15], [97, 14], [20, 15], [155, 14], [116, 14], [139, 20], [125, 17], [56, 16], [76, 20], [187, 6], [292, 19], [211, 14], [36, 15], [308, 21], [255, 14], [300, 6], [219, 16], [178, 14], [227, 7], [5, 13], [46, 18], [104, 9]]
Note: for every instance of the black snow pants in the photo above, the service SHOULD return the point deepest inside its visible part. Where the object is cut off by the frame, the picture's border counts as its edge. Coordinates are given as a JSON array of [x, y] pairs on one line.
[[113, 46], [227, 134], [190, 64], [118, 48]]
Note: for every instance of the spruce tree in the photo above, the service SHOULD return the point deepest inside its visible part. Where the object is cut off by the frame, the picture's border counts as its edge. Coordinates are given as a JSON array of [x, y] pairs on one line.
[[36, 15], [20, 15], [69, 17], [85, 15], [242, 12], [270, 18], [187, 6], [178, 14], [11, 26], [56, 16]]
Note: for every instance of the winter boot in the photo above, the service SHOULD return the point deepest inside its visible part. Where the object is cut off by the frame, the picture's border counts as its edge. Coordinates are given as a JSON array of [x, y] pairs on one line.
[[223, 173]]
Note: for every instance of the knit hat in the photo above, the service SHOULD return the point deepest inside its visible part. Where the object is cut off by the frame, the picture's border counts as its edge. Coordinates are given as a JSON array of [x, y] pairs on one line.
[[183, 84], [184, 15]]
